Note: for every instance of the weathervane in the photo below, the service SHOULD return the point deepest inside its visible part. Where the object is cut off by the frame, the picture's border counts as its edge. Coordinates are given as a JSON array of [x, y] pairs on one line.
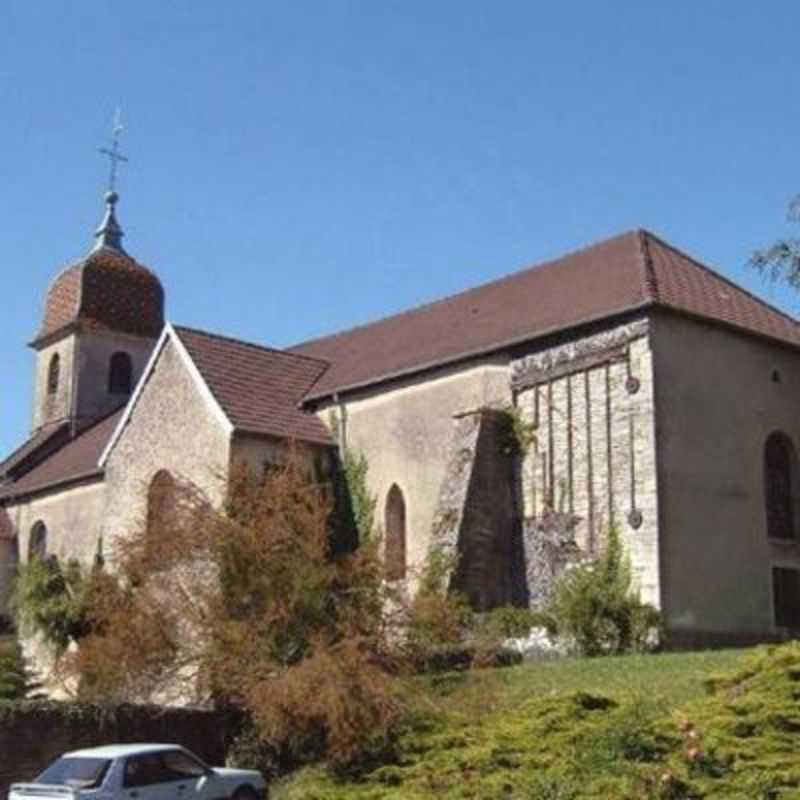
[[113, 154]]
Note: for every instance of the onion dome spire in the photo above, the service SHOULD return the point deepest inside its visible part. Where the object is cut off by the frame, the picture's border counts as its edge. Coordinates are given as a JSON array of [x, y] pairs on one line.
[[107, 290], [109, 234]]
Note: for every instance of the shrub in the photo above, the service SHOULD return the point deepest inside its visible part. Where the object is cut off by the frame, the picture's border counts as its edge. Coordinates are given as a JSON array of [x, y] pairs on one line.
[[249, 751], [253, 609], [439, 622], [15, 682], [491, 631], [594, 607], [54, 600], [511, 622]]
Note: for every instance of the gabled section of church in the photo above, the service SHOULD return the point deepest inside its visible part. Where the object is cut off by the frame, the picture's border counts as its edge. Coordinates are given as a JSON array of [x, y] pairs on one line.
[[251, 389]]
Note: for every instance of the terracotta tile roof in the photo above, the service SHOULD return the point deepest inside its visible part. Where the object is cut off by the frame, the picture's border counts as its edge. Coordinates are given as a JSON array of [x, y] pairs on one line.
[[45, 439], [631, 271], [63, 301], [77, 459], [687, 285], [258, 388], [109, 290]]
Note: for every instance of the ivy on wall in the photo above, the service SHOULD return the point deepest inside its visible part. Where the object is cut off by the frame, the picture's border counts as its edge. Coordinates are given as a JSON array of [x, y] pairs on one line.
[[362, 501], [517, 435]]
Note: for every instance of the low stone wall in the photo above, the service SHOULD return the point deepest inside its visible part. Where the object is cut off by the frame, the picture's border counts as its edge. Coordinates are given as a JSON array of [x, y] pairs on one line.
[[34, 733]]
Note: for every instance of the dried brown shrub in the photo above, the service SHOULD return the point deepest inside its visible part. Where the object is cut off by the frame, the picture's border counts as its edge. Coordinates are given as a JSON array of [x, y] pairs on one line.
[[250, 607]]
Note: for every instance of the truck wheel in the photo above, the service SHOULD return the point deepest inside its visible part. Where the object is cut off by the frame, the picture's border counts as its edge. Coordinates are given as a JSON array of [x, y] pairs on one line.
[[244, 793]]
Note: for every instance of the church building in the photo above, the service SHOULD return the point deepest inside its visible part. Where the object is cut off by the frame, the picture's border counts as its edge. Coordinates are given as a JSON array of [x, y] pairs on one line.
[[657, 396]]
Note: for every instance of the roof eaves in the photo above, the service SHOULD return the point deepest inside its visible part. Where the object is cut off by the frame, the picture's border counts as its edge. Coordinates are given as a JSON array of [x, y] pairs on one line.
[[476, 353], [42, 340], [244, 431], [50, 486]]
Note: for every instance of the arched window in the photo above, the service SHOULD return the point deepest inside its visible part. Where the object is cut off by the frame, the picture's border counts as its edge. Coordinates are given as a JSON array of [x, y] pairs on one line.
[[779, 477], [37, 543], [395, 535], [52, 374], [120, 374], [161, 498]]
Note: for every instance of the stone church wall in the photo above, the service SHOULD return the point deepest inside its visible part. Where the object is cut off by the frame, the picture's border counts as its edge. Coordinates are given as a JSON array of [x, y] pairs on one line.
[[593, 459], [254, 452], [719, 394], [405, 432], [73, 518], [193, 446]]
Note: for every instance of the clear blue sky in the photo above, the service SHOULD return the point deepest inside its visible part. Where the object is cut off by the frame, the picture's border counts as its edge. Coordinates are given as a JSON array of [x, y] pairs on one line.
[[298, 167]]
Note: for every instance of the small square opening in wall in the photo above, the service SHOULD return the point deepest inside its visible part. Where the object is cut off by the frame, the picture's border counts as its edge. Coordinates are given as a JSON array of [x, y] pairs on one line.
[[776, 376], [786, 597]]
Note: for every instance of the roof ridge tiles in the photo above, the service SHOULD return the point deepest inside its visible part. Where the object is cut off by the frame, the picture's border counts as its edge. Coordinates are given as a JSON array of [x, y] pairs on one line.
[[719, 276], [255, 345], [425, 306], [231, 369], [649, 279]]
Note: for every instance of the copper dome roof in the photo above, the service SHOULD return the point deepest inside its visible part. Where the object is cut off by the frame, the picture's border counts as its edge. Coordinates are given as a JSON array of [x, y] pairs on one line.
[[108, 290]]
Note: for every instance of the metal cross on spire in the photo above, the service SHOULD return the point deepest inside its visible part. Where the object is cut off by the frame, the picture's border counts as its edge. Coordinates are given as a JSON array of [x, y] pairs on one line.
[[109, 234], [113, 154]]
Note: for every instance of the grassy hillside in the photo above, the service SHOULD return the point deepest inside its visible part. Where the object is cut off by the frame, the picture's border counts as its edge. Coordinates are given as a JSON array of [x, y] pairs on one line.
[[633, 727]]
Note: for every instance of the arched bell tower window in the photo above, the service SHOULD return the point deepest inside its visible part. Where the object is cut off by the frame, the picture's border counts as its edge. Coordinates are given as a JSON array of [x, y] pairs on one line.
[[37, 543], [120, 374], [395, 558], [780, 474], [53, 371], [161, 498]]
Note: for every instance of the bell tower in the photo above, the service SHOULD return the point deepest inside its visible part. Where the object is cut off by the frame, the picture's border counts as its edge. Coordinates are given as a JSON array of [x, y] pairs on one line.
[[102, 316]]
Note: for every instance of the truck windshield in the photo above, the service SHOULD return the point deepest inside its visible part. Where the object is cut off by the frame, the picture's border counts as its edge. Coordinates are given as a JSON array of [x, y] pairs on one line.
[[80, 773]]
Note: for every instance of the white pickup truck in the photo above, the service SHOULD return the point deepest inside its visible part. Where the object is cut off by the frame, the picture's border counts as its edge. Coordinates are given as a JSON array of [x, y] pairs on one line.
[[139, 772]]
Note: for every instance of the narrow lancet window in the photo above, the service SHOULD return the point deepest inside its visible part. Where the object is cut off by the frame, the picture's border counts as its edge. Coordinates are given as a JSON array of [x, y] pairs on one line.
[[779, 477], [53, 371], [395, 535], [37, 544], [161, 499]]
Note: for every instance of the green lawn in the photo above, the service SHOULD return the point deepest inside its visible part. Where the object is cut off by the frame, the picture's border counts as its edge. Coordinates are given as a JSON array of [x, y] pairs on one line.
[[632, 727], [677, 677]]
